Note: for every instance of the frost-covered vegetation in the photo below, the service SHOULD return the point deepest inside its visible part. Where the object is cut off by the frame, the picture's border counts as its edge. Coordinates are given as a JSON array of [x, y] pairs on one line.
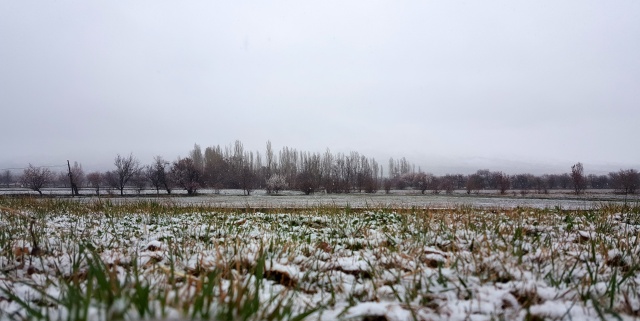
[[65, 260]]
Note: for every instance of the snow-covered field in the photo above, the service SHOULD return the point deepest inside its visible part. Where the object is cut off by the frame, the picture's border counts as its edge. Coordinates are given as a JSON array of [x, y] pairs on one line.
[[103, 261], [231, 199], [487, 199]]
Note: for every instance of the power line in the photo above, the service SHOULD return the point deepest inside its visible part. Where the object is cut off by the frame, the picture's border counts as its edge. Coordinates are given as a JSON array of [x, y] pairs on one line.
[[43, 166]]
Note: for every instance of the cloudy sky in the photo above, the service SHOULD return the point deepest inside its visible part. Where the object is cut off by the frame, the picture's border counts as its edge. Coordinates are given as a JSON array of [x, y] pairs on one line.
[[452, 85]]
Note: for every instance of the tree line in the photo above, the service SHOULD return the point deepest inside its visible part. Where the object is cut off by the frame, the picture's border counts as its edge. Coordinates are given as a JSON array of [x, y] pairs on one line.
[[233, 167]]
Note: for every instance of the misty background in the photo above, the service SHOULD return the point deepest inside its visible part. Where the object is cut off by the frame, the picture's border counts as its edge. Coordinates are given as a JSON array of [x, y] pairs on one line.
[[452, 86]]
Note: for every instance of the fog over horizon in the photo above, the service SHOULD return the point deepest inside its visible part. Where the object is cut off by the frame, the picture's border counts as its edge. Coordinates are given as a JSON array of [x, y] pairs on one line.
[[440, 166], [451, 86]]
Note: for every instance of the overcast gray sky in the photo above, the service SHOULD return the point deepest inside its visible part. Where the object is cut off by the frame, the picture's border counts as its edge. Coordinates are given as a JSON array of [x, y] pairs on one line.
[[452, 85]]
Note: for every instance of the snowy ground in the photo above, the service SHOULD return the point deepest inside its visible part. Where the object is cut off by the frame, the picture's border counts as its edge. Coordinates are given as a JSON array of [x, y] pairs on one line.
[[230, 199], [65, 260], [396, 199]]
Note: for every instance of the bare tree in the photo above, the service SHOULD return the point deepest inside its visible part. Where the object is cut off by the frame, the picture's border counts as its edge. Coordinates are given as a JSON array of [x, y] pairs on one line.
[[158, 175], [126, 168], [305, 183], [549, 181], [434, 184], [271, 165], [540, 185], [578, 178], [564, 181], [36, 178], [276, 183], [448, 183], [421, 181], [78, 177], [111, 180], [247, 179], [288, 159], [502, 181], [387, 184], [197, 157], [474, 183], [405, 180], [215, 168], [6, 178], [60, 179], [139, 181], [522, 181], [625, 181], [186, 174], [599, 181], [95, 179]]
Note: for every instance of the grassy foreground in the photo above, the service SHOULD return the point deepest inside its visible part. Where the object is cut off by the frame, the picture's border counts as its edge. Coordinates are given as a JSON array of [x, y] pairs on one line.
[[66, 260]]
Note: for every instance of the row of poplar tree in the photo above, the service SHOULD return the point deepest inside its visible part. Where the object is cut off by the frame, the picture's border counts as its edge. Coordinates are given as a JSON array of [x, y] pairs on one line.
[[233, 167]]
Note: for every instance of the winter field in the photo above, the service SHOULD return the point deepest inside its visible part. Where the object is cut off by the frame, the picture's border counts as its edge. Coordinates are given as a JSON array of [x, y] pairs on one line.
[[103, 259], [229, 198]]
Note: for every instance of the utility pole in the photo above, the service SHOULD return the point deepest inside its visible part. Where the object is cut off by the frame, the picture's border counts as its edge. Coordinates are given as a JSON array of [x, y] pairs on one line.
[[74, 188]]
